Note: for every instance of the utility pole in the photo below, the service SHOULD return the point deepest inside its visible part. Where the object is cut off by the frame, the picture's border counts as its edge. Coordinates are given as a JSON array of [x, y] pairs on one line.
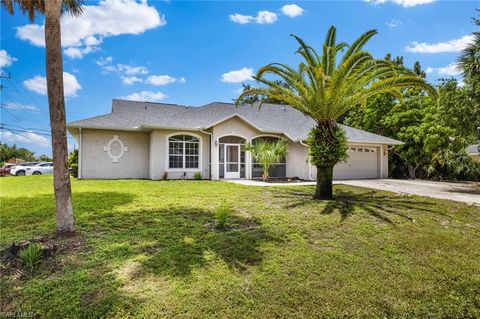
[[4, 76]]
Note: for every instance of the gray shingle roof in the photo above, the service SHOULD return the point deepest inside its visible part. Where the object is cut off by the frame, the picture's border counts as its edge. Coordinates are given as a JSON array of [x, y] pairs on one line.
[[133, 115], [473, 149]]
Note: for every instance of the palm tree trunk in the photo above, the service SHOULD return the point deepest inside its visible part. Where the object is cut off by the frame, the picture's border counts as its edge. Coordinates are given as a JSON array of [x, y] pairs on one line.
[[56, 104], [324, 189]]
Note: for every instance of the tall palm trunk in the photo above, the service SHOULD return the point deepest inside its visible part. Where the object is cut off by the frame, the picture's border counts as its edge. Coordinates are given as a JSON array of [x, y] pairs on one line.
[[324, 134], [56, 104], [324, 188]]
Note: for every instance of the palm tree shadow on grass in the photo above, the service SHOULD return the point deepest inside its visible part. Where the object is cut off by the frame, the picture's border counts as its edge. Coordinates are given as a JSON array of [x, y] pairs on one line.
[[35, 213], [174, 239], [168, 240], [380, 206]]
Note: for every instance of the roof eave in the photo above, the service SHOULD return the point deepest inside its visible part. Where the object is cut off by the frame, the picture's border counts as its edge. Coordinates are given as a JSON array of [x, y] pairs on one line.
[[394, 143], [93, 127]]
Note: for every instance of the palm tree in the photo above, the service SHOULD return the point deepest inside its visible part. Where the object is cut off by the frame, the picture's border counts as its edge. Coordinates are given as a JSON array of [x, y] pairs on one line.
[[267, 153], [469, 61], [324, 90], [53, 9]]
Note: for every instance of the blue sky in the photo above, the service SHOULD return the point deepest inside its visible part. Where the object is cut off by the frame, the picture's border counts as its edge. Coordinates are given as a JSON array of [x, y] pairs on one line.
[[197, 52]]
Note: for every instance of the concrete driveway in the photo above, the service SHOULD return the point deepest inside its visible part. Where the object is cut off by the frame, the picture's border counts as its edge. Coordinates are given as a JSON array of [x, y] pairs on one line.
[[467, 192]]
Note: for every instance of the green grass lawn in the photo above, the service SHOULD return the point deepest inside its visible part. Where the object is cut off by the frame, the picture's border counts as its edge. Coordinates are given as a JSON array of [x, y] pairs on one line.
[[148, 249]]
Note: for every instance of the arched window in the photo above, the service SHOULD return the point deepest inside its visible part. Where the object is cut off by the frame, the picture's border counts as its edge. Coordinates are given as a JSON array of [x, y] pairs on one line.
[[183, 152]]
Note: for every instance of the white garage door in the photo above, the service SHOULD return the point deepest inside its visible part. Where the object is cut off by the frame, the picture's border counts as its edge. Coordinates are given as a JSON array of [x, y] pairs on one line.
[[362, 163]]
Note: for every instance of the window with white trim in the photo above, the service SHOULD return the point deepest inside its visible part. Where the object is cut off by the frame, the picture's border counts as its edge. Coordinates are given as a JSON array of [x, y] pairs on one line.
[[183, 152]]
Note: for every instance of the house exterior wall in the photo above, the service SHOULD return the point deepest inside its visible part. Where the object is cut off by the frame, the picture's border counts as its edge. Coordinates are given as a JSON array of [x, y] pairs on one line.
[[237, 127], [159, 156], [95, 163], [147, 154], [297, 161], [362, 161]]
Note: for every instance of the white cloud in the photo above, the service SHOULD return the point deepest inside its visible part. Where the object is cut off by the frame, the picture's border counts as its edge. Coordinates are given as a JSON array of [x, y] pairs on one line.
[[292, 10], [108, 18], [38, 84], [163, 80], [104, 61], [19, 106], [6, 59], [262, 17], [241, 19], [393, 24], [131, 70], [79, 52], [129, 80], [455, 45], [125, 69], [24, 137], [266, 17], [404, 3], [128, 73], [237, 76], [145, 96], [451, 70]]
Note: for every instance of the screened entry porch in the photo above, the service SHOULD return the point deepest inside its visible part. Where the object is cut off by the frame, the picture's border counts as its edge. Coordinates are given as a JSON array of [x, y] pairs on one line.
[[232, 160]]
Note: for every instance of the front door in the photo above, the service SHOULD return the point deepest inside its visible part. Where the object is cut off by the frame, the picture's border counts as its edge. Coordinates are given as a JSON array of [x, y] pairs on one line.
[[232, 161]]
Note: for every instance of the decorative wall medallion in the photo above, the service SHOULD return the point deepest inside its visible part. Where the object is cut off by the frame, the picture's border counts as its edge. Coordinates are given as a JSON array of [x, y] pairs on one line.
[[118, 148]]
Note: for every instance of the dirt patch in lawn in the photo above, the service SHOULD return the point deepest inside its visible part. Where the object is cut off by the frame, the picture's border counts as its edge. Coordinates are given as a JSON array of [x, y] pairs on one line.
[[52, 247]]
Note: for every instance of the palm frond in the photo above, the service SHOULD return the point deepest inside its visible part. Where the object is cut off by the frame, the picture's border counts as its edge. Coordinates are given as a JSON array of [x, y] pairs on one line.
[[323, 90], [359, 43], [34, 7]]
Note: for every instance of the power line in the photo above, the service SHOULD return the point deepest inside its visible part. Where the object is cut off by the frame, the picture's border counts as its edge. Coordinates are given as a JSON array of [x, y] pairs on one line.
[[29, 99], [26, 128], [20, 133], [22, 130], [18, 128], [10, 113], [17, 86], [30, 96], [27, 113]]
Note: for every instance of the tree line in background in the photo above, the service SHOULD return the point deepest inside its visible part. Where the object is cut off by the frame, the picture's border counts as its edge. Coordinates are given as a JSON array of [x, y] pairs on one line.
[[19, 154], [436, 132]]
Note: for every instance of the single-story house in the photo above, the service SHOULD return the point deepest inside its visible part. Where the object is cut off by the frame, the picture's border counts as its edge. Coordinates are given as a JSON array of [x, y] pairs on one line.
[[474, 151], [168, 141]]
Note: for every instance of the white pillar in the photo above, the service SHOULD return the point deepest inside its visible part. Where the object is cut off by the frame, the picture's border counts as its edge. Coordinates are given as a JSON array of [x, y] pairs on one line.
[[248, 165], [214, 159], [79, 168]]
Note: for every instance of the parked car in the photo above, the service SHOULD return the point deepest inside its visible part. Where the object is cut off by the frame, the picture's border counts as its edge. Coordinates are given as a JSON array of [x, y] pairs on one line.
[[19, 169], [39, 169], [5, 169]]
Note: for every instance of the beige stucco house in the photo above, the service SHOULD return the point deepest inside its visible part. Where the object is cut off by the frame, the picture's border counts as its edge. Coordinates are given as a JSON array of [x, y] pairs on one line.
[[169, 141]]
